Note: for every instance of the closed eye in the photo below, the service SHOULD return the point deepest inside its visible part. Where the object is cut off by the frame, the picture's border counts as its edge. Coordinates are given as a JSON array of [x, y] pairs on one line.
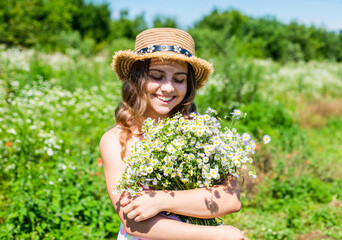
[[179, 80], [180, 77], [157, 78]]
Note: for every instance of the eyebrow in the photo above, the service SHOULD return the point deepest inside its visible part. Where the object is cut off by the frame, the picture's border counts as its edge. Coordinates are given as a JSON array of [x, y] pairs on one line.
[[161, 71]]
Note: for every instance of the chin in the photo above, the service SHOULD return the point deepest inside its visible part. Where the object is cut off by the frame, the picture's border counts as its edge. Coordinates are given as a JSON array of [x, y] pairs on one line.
[[163, 112], [159, 112]]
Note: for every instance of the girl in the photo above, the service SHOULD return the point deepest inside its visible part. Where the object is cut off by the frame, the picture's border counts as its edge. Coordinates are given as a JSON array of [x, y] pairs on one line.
[[160, 78]]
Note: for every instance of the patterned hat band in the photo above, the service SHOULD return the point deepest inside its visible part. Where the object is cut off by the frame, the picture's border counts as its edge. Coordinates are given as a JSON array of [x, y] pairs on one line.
[[161, 48]]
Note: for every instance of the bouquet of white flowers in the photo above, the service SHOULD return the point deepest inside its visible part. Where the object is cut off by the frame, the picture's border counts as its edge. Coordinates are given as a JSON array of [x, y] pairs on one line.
[[179, 154]]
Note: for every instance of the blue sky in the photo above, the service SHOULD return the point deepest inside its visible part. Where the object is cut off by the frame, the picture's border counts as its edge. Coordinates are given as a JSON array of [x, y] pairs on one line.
[[324, 13]]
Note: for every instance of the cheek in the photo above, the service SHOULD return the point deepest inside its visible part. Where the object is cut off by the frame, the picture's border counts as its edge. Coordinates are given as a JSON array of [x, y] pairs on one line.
[[182, 90], [151, 87]]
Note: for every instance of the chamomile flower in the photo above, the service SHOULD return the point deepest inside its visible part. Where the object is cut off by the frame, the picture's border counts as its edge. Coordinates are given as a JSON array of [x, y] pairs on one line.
[[149, 169], [213, 171], [252, 144], [166, 172], [207, 152], [191, 172], [199, 145], [250, 173], [191, 156], [184, 180], [236, 113], [179, 147], [199, 133], [186, 128], [230, 154], [193, 128], [159, 148], [192, 115], [266, 139], [170, 149], [206, 184], [142, 168], [245, 137], [217, 143], [154, 161], [206, 117], [210, 110]]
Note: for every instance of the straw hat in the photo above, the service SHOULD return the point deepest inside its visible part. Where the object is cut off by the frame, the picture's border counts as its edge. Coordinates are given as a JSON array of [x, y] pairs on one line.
[[166, 44]]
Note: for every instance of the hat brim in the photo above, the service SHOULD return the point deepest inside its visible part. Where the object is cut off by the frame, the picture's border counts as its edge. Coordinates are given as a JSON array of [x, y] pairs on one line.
[[123, 60]]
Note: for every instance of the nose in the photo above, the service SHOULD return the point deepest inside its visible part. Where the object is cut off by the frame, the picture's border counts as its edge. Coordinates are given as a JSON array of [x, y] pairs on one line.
[[167, 86]]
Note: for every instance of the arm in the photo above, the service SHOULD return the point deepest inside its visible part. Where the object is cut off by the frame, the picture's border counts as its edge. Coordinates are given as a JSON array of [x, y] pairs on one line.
[[214, 202], [155, 227]]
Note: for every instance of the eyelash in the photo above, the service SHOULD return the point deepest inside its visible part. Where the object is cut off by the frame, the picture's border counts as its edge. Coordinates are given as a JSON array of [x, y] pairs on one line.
[[156, 78], [179, 81], [159, 78]]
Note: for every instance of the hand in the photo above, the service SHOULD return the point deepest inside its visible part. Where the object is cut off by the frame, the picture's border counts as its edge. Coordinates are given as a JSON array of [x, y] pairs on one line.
[[229, 233], [142, 207]]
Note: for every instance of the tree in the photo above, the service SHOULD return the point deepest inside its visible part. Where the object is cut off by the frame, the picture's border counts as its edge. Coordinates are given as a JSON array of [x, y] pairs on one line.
[[124, 27], [21, 21], [92, 21], [31, 22], [163, 21]]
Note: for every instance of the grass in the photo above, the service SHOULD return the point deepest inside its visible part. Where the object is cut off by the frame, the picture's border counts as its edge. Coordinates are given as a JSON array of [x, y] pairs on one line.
[[298, 218], [54, 109]]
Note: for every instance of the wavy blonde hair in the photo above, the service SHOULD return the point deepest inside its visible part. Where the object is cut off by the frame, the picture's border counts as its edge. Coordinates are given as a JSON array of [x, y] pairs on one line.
[[130, 112]]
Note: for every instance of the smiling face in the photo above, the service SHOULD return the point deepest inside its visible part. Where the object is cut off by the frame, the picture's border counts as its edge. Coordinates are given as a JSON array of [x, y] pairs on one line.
[[166, 87]]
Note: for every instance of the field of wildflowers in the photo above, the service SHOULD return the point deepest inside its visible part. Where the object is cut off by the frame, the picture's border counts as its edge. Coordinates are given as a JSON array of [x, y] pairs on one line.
[[54, 109]]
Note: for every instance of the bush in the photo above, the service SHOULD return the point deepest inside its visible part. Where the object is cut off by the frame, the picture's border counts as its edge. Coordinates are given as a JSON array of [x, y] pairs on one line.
[[299, 191], [63, 41]]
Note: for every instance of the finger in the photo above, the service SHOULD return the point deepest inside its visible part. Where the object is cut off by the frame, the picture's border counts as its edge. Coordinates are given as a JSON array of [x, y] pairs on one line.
[[139, 218], [125, 200], [128, 208], [133, 214], [142, 216]]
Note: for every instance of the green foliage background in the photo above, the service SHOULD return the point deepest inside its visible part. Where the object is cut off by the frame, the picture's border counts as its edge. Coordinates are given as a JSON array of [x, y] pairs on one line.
[[58, 95]]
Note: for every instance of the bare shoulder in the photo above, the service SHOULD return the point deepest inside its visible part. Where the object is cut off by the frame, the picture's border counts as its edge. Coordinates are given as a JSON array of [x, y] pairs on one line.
[[110, 145], [110, 134], [110, 149]]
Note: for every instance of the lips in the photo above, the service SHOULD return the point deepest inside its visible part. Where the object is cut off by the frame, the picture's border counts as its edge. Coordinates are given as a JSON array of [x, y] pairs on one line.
[[164, 98]]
